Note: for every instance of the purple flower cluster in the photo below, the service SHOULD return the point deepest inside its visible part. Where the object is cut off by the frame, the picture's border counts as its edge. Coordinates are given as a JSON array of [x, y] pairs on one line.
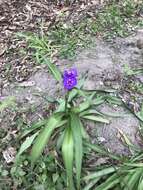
[[70, 79]]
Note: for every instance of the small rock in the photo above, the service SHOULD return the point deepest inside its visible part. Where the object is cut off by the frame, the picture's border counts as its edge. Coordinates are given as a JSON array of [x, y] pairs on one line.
[[27, 84], [101, 139], [9, 154]]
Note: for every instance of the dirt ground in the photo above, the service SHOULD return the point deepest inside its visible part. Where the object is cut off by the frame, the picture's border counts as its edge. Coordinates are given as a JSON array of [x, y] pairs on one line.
[[105, 64]]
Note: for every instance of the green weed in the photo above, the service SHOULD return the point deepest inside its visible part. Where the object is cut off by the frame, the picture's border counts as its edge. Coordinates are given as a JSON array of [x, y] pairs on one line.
[[126, 176]]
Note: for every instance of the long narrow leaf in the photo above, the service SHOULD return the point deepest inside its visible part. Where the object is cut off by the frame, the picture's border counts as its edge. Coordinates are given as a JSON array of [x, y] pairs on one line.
[[140, 186], [54, 70], [100, 173], [67, 152], [99, 149], [134, 179], [77, 135], [91, 184], [44, 136], [27, 143], [84, 133], [35, 126], [110, 183], [99, 100], [91, 111], [96, 118]]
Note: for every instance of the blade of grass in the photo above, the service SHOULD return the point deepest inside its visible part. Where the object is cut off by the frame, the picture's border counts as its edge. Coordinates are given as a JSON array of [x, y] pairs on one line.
[[102, 151], [53, 68]]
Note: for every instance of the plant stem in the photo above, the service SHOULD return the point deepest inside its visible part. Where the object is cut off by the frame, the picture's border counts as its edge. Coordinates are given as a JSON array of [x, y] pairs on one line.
[[66, 102]]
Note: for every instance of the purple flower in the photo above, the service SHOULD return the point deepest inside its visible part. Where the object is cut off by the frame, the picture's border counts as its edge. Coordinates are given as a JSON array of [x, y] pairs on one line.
[[70, 73], [70, 79]]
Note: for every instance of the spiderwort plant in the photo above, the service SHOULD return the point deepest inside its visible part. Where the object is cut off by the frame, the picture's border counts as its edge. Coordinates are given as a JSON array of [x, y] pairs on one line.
[[67, 121]]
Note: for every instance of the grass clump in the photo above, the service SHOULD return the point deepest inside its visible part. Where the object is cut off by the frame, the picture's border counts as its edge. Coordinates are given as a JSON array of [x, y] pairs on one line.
[[61, 41], [117, 19], [64, 39]]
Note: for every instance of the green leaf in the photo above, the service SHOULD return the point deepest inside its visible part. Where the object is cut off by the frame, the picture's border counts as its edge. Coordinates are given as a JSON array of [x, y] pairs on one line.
[[81, 93], [44, 136], [82, 107], [68, 155], [134, 179], [141, 112], [35, 126], [61, 107], [102, 90], [60, 141], [125, 180], [76, 124], [91, 184], [140, 186], [110, 183], [96, 118], [54, 70], [113, 100], [90, 111], [99, 149], [139, 116], [27, 143], [84, 133], [74, 92], [138, 165], [99, 100], [100, 173]]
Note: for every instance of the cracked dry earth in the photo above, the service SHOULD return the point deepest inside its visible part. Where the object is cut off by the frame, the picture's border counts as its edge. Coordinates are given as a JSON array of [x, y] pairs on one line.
[[105, 63]]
